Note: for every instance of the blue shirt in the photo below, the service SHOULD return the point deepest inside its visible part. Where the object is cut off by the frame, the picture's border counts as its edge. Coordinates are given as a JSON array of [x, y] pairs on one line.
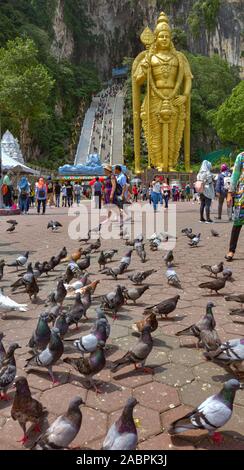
[[121, 179]]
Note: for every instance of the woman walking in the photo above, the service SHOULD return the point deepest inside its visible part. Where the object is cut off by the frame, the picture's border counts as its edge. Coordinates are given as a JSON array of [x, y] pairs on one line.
[[156, 193], [207, 192], [24, 194], [237, 188], [41, 195]]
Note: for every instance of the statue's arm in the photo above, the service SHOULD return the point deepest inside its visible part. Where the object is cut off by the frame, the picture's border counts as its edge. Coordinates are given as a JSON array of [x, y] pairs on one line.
[[140, 73], [188, 77]]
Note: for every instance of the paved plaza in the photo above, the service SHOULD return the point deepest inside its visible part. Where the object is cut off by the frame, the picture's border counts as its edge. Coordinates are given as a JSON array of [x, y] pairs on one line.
[[182, 377]]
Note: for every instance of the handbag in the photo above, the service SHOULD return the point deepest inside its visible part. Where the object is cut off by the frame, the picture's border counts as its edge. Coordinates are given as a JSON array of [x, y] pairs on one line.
[[199, 186]]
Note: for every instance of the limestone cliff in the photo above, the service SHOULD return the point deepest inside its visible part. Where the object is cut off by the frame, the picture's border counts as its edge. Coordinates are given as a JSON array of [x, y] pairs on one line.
[[117, 25]]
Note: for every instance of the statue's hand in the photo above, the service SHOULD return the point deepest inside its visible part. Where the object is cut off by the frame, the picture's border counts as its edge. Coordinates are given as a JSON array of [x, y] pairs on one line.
[[180, 100], [145, 64]]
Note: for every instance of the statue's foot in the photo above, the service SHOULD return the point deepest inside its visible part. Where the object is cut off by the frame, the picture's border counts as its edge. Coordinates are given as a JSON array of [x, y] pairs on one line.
[[172, 169]]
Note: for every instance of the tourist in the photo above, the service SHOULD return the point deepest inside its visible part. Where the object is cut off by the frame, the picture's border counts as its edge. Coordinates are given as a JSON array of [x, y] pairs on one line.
[[64, 195], [77, 192], [32, 196], [166, 194], [121, 185], [237, 189], [182, 195], [188, 192], [135, 193], [57, 192], [69, 190], [205, 182], [98, 193], [24, 193], [156, 192], [7, 191], [41, 195], [222, 190], [50, 199], [109, 189], [144, 193]]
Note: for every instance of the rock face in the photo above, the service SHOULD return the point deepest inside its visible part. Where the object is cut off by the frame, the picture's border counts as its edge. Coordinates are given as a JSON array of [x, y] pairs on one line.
[[117, 25]]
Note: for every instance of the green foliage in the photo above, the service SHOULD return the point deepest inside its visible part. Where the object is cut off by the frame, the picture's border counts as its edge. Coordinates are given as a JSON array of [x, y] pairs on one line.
[[229, 118], [203, 15]]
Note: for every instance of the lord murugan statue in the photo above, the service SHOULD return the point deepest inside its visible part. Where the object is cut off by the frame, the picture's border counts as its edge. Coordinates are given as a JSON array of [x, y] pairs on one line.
[[165, 111]]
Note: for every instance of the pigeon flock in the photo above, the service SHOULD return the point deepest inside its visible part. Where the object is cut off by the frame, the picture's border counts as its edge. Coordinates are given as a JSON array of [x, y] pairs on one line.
[[95, 286]]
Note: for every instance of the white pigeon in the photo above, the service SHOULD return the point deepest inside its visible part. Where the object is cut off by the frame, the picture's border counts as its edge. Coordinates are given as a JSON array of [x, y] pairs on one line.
[[7, 304]]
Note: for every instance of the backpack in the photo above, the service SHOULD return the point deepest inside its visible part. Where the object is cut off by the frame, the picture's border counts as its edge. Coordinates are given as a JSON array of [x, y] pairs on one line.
[[23, 193], [41, 193], [4, 189], [119, 189], [199, 186], [227, 182]]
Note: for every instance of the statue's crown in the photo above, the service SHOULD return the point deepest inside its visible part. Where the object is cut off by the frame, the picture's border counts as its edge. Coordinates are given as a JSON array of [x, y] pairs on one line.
[[162, 24]]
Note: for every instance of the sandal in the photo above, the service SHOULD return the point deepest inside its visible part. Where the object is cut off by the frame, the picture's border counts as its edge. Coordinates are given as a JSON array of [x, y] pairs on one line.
[[229, 257]]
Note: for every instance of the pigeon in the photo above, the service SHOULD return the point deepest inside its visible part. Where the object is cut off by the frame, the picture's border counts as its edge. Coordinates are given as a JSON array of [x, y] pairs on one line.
[[150, 320], [12, 222], [102, 260], [139, 276], [90, 288], [109, 254], [20, 261], [8, 371], [173, 279], [195, 241], [122, 435], [76, 312], [54, 225], [212, 414], [98, 335], [230, 354], [82, 282], [138, 353], [26, 278], [49, 356], [89, 366], [11, 229], [59, 293], [214, 233], [52, 309], [85, 240], [2, 265], [126, 259], [113, 300], [163, 308], [186, 230], [63, 253], [61, 324], [214, 269], [84, 263], [209, 339], [32, 289], [191, 235], [134, 293], [2, 349], [9, 305], [206, 323], [42, 334], [227, 273], [116, 271], [63, 430], [25, 408], [72, 271], [215, 285], [235, 298], [140, 250], [169, 258], [95, 246], [74, 256]]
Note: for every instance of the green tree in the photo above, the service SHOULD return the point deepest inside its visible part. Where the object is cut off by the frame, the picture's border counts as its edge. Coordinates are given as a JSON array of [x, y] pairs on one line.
[[229, 118], [24, 85]]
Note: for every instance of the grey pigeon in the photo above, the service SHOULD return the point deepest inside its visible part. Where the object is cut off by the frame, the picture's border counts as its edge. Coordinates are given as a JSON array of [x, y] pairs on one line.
[[20, 261], [54, 225], [139, 276], [26, 278], [2, 349], [195, 241], [102, 260], [227, 273], [59, 293], [206, 323], [61, 324], [84, 263], [138, 353], [214, 269], [215, 285], [113, 301], [230, 353], [212, 414], [25, 408], [235, 298], [115, 271], [140, 250], [109, 254], [191, 235], [89, 366], [127, 258], [214, 233], [63, 430], [173, 279], [50, 355], [11, 229], [98, 335], [12, 222], [169, 258], [63, 253], [122, 435], [163, 308], [135, 293], [52, 309], [42, 334], [76, 312], [209, 339], [186, 230], [8, 371]]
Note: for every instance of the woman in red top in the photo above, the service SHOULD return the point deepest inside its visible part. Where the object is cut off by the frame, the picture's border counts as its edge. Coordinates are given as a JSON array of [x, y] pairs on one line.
[[135, 192]]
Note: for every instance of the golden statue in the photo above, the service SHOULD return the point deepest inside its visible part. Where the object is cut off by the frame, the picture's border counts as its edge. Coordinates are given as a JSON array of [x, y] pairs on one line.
[[165, 112]]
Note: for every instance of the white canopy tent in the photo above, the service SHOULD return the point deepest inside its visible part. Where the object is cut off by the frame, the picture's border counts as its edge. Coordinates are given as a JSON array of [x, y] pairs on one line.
[[9, 163]]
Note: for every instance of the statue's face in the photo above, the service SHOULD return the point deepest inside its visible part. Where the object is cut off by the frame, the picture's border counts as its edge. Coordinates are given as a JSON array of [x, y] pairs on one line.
[[163, 40]]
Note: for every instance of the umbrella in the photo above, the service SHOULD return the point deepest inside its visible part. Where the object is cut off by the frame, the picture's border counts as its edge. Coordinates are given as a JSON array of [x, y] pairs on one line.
[[136, 180]]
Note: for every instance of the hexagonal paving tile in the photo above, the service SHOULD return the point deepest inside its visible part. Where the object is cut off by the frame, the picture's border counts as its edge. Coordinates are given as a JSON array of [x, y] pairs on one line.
[[164, 397], [195, 393], [109, 402], [186, 356], [210, 372], [57, 399], [94, 425], [172, 374]]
